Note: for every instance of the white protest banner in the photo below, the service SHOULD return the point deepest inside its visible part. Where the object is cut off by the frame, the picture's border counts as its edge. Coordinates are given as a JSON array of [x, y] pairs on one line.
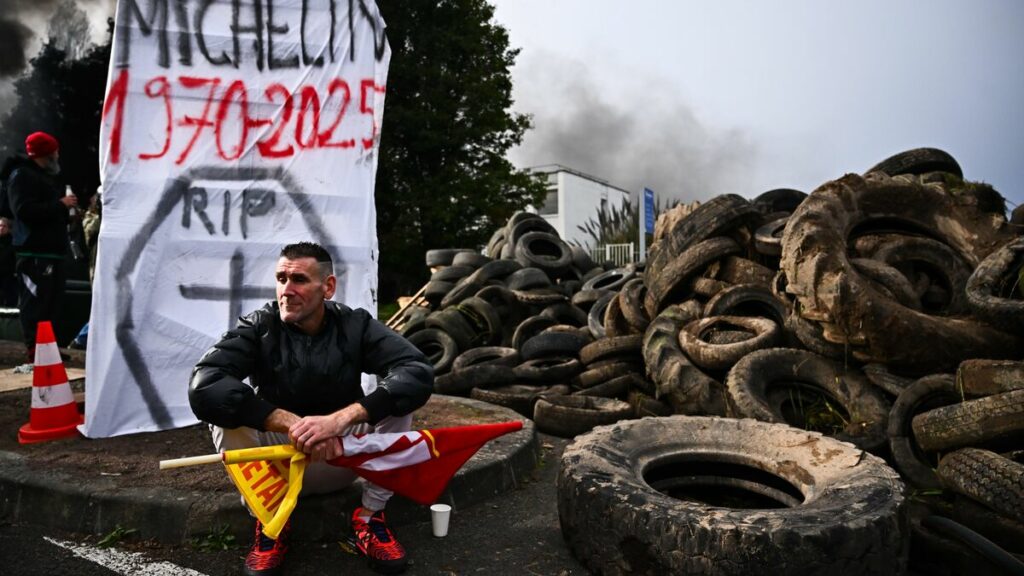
[[230, 128]]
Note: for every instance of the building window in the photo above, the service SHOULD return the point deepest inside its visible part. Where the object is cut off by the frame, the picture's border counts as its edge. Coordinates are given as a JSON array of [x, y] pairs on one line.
[[550, 205]]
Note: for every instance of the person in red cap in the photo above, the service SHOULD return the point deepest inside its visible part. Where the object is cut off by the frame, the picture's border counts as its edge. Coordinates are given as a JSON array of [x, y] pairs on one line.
[[35, 201]]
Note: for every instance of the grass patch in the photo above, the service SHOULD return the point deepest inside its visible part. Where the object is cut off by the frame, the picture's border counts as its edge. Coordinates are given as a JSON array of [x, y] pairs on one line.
[[115, 536], [812, 409], [386, 311], [219, 538]]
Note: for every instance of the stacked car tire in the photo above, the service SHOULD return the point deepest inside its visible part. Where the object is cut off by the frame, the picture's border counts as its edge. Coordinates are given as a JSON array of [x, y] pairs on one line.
[[882, 309]]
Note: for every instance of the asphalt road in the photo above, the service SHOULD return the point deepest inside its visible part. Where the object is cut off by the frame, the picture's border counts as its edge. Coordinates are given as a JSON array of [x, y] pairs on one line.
[[516, 533]]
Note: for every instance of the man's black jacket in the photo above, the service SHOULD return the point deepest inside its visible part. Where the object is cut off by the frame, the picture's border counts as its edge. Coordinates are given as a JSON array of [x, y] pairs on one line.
[[307, 375], [40, 219]]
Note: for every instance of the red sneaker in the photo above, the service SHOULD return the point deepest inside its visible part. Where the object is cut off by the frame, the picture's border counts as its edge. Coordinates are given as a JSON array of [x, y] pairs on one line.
[[378, 544], [266, 555]]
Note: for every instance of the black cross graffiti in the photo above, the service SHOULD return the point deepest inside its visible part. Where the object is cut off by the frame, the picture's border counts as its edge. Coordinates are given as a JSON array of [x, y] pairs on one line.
[[235, 293]]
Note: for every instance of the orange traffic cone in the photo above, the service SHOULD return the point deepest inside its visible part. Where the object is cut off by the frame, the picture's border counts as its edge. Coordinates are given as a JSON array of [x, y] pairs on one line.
[[53, 414]]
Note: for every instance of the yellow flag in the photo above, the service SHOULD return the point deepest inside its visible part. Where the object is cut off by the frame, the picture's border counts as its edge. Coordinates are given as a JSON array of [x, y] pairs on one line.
[[269, 478]]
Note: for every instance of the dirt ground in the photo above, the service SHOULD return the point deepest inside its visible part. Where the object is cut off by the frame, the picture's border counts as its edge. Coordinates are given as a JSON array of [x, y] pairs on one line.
[[137, 455]]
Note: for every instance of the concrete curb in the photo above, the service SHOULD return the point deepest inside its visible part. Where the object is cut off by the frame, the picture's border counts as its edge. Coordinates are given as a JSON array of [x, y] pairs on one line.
[[97, 505]]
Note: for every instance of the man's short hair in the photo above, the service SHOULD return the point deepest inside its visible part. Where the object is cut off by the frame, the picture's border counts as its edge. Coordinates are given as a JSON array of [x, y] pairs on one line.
[[310, 250]]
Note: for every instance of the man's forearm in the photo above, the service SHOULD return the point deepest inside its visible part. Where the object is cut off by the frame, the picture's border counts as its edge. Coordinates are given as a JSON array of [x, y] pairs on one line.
[[280, 421], [352, 414]]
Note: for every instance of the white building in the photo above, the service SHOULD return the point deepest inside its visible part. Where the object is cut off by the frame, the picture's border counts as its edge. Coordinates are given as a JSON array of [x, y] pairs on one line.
[[573, 199]]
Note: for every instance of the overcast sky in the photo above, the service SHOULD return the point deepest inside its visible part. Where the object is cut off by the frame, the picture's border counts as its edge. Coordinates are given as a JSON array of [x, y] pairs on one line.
[[695, 99]]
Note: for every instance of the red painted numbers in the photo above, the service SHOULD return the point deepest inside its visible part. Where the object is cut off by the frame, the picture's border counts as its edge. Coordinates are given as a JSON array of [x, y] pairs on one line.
[[306, 119]]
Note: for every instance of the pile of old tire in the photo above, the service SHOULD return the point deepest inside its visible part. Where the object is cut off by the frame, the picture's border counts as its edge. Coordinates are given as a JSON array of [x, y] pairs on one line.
[[722, 341], [962, 433], [957, 272], [785, 280], [660, 496]]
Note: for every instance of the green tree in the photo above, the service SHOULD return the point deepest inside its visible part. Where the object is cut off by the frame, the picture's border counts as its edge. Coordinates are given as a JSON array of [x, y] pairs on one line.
[[443, 178]]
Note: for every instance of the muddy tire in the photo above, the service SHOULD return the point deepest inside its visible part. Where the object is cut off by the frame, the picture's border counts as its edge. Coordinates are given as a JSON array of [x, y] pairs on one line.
[[484, 319], [460, 382], [549, 370], [763, 333], [747, 300], [615, 388], [889, 281], [529, 328], [565, 313], [678, 382], [717, 217], [631, 302], [918, 161], [992, 282], [595, 317], [548, 344], [544, 250], [528, 279], [829, 290], [439, 348], [496, 355], [916, 255], [645, 405], [922, 395], [880, 376], [436, 290], [585, 299], [451, 273], [463, 289], [443, 256], [496, 270], [840, 515], [737, 270], [568, 416], [618, 347], [810, 335], [670, 284], [990, 419], [615, 323], [599, 375], [987, 477], [539, 296], [455, 325], [517, 230], [518, 397], [610, 280], [768, 238], [471, 260], [778, 200], [1005, 532], [986, 377], [769, 385]]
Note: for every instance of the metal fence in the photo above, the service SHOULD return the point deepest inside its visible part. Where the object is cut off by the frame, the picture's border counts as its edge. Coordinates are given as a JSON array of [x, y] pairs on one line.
[[620, 254]]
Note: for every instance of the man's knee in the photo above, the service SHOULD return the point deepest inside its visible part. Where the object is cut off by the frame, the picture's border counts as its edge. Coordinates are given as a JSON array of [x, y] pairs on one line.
[[394, 424], [242, 437]]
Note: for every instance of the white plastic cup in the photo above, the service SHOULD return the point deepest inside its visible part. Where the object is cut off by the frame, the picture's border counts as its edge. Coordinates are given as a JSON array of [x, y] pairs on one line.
[[439, 515]]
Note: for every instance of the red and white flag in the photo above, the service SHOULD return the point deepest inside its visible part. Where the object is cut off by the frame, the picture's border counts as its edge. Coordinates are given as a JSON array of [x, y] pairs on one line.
[[417, 464]]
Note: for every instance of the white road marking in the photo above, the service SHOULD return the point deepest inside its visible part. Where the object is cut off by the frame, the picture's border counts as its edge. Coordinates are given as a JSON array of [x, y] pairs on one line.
[[124, 563]]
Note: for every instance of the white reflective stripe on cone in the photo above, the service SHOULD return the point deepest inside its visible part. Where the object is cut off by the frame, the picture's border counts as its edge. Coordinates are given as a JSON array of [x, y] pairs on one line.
[[47, 354], [52, 396]]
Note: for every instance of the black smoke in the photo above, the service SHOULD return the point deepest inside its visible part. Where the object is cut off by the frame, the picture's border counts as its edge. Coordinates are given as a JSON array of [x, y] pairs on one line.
[[648, 136], [14, 38]]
